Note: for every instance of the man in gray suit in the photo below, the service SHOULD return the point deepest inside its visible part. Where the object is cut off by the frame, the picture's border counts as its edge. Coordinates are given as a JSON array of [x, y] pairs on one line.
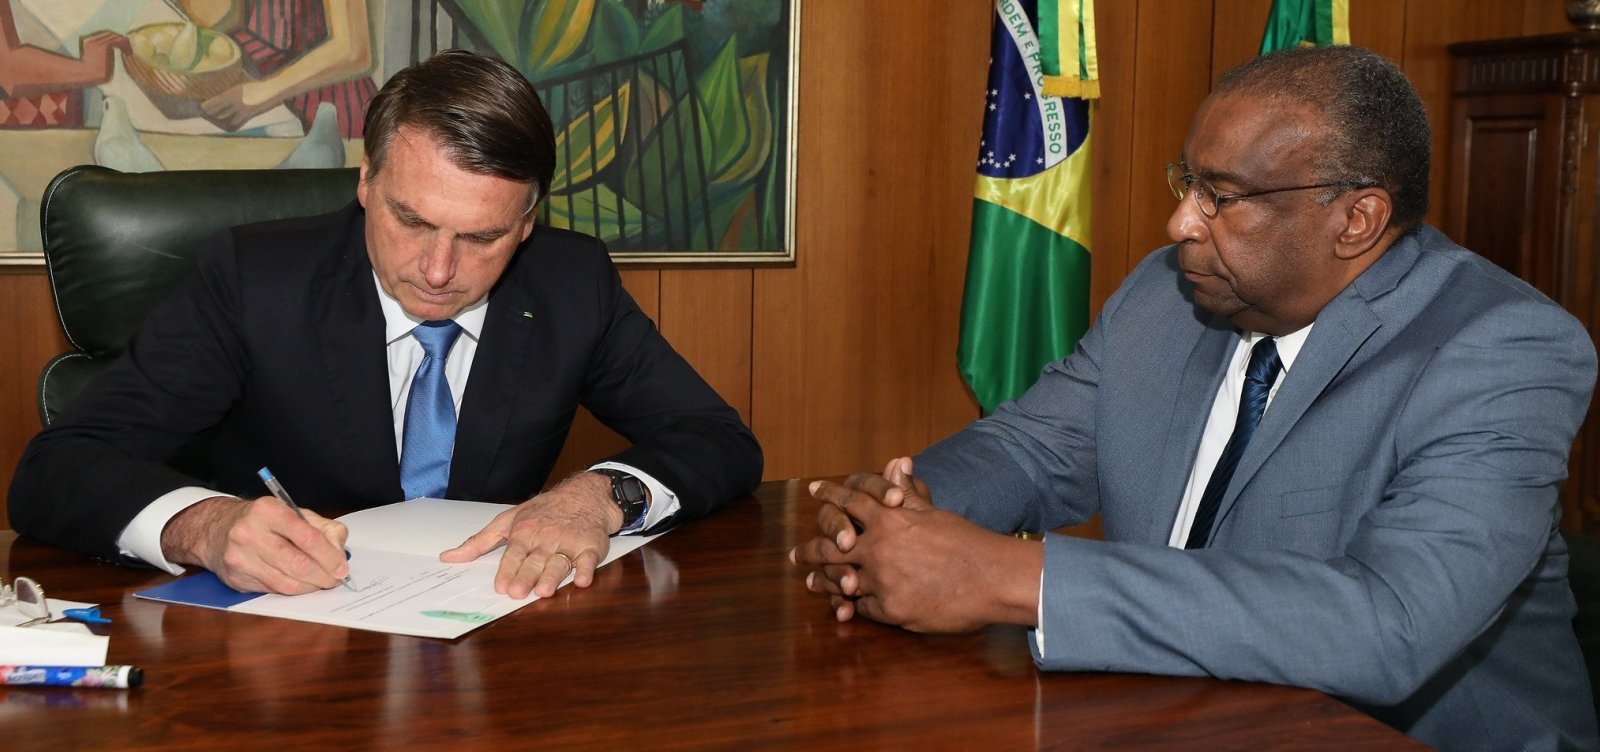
[[1325, 443]]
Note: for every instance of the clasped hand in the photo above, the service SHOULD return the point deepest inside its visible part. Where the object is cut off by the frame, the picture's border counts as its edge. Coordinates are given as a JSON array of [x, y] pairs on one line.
[[886, 553]]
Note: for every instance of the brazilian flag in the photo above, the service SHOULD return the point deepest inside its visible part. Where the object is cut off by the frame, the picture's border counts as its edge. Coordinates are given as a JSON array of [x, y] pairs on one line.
[[1306, 23], [1027, 289]]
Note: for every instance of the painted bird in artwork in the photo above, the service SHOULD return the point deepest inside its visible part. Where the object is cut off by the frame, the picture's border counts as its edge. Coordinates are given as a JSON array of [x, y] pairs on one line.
[[321, 147], [117, 145]]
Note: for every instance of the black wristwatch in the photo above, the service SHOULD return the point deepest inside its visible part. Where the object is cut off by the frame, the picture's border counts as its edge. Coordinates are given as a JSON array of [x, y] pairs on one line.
[[629, 493]]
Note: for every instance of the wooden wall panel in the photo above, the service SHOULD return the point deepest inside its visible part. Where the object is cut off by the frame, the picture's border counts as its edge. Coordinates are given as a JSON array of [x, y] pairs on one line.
[[706, 315], [888, 137], [1111, 141], [950, 175], [1172, 75], [1544, 17], [32, 338], [1237, 27], [1380, 26], [1431, 26]]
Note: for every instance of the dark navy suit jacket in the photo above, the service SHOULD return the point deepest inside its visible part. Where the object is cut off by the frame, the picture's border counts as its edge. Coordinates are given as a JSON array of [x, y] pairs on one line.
[[274, 350]]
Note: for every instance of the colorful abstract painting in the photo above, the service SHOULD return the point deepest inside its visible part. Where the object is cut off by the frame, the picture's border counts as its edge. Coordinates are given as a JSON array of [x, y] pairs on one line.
[[674, 118]]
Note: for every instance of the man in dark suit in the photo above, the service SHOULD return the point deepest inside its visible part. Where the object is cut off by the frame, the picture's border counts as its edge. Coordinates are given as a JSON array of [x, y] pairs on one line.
[[1325, 443], [426, 341]]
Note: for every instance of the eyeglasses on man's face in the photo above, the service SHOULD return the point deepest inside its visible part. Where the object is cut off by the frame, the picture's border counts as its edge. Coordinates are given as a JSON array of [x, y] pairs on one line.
[[1181, 180]]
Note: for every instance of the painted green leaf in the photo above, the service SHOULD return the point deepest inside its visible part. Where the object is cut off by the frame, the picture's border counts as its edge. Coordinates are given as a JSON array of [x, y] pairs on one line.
[[752, 154], [571, 67], [616, 32], [681, 170], [597, 211], [668, 167], [725, 131], [553, 32], [666, 30], [498, 21], [589, 142], [652, 100]]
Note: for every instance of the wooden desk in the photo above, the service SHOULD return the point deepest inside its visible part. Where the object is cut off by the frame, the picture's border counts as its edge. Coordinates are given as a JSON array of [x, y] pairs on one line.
[[705, 639]]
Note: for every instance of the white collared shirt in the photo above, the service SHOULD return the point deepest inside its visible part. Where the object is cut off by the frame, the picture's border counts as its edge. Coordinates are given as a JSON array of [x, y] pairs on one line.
[[1224, 414], [141, 539]]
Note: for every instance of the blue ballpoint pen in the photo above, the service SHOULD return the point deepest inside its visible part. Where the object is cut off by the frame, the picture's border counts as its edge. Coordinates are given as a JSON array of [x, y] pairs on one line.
[[278, 490]]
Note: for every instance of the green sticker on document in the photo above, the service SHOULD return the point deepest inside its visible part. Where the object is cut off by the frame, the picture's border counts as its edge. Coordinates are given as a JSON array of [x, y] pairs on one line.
[[469, 617]]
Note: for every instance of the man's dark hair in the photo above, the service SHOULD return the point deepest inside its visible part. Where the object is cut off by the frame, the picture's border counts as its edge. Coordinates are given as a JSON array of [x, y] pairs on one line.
[[1377, 128], [483, 112]]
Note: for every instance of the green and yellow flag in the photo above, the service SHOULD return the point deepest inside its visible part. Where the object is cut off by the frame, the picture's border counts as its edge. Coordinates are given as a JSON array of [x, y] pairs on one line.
[[1306, 23], [1027, 293]]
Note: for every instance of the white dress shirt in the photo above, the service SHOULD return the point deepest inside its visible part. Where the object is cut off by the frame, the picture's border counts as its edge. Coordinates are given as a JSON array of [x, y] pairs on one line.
[[1224, 414], [141, 539]]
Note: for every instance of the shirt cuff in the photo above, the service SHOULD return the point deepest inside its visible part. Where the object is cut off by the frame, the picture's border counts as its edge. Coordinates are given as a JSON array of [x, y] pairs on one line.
[[141, 539], [1038, 631], [663, 503]]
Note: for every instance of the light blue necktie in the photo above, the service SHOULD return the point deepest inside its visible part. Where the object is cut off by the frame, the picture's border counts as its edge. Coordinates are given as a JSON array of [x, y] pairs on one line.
[[430, 415], [1258, 378]]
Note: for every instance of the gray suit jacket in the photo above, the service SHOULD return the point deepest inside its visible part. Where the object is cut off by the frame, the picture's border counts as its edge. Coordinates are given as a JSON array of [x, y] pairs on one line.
[[1389, 536]]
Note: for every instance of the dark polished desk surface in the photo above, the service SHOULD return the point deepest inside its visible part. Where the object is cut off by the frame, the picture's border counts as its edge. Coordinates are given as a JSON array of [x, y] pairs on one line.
[[704, 639]]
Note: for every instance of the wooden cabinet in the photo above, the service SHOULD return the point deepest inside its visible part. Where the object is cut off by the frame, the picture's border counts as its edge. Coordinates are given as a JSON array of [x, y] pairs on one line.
[[1521, 189]]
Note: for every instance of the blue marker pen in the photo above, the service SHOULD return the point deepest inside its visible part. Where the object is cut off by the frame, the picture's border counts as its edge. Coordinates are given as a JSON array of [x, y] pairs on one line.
[[278, 490], [106, 677]]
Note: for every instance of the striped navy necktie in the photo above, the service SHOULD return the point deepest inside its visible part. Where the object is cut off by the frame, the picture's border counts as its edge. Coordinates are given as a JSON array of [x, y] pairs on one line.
[[1258, 378]]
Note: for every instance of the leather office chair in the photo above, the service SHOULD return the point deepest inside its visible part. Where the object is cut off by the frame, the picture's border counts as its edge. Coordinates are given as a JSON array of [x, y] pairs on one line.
[[117, 243]]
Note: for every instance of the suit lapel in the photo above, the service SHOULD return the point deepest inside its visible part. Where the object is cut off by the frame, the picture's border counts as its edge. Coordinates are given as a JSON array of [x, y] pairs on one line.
[[1343, 327], [350, 333], [497, 369], [1327, 351], [1202, 374]]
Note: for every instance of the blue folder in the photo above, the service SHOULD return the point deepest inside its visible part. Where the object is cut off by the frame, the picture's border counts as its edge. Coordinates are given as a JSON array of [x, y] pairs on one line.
[[202, 589]]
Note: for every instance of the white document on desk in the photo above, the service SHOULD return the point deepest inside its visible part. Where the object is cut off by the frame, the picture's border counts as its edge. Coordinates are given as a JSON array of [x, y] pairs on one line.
[[401, 586], [53, 644]]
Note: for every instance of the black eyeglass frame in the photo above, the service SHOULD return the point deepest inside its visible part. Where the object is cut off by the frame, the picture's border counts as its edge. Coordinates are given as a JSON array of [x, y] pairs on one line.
[[1180, 179]]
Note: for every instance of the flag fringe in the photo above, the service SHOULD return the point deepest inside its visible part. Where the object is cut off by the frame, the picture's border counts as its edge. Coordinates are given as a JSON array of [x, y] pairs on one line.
[[1066, 86], [1074, 32]]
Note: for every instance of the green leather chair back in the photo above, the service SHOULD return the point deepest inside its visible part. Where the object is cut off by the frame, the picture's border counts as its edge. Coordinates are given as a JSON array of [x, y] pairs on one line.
[[117, 243]]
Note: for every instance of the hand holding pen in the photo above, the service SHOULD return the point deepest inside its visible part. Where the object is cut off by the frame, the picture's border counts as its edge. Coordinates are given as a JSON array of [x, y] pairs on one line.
[[279, 491], [258, 545]]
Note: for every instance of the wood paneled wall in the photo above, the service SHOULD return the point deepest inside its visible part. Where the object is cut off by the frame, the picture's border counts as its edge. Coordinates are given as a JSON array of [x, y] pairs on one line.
[[848, 357]]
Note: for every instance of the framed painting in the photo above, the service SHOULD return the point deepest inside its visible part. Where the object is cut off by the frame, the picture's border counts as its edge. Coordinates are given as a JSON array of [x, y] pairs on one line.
[[674, 119]]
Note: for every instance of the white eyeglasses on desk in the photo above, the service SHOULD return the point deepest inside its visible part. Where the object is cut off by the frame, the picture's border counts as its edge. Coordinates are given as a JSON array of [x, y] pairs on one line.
[[25, 597]]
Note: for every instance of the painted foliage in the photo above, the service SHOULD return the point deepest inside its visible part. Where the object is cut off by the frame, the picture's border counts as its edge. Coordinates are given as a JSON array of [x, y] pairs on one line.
[[673, 116]]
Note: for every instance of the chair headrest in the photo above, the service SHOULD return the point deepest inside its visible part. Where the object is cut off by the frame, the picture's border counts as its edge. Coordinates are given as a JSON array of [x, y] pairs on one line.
[[117, 243]]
